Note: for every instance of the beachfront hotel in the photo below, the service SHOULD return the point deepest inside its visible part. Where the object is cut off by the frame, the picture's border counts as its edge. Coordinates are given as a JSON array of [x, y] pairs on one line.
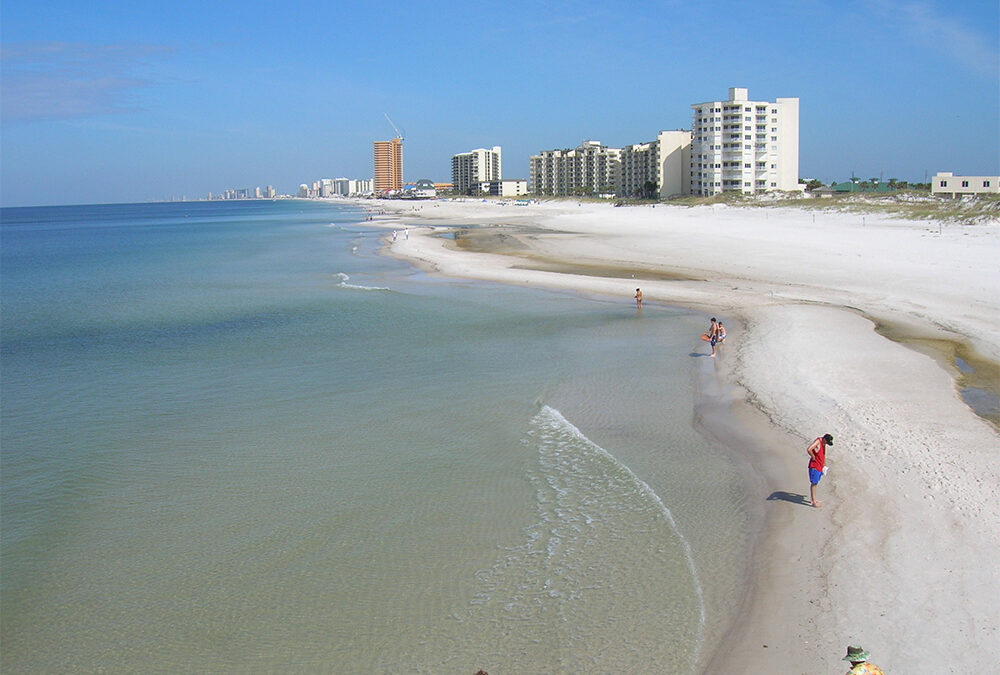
[[658, 168], [590, 167], [388, 166], [469, 169], [947, 183], [744, 146]]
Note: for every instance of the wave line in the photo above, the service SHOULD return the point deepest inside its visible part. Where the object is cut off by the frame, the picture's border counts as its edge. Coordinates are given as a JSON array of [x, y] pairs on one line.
[[557, 417]]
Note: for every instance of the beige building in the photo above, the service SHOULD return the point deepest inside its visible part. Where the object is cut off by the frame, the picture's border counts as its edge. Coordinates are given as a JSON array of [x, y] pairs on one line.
[[744, 146], [388, 157], [591, 167], [658, 168], [469, 169], [947, 183]]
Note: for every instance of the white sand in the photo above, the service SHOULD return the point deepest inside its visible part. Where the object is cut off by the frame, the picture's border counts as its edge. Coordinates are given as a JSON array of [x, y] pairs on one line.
[[901, 559]]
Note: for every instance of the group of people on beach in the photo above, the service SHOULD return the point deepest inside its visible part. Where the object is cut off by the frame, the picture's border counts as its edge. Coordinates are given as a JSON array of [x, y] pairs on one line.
[[716, 334]]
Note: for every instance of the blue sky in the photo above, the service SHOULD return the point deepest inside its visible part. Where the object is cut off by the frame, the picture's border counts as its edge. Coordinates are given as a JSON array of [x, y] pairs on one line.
[[135, 101]]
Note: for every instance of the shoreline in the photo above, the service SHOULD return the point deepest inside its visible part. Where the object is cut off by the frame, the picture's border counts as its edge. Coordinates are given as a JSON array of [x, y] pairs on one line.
[[899, 557]]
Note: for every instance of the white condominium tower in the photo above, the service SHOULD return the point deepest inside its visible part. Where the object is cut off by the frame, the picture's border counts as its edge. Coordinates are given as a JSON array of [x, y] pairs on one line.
[[469, 169], [744, 146], [591, 168], [658, 169]]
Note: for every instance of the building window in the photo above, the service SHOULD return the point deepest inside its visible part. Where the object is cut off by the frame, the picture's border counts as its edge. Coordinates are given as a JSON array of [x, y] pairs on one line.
[[986, 183], [944, 183], [965, 183]]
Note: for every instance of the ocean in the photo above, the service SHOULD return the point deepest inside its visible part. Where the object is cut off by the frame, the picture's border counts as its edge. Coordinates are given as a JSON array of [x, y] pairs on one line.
[[237, 437]]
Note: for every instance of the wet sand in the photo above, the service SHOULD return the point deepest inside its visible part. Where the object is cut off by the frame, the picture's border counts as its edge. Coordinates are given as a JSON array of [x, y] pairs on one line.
[[900, 557]]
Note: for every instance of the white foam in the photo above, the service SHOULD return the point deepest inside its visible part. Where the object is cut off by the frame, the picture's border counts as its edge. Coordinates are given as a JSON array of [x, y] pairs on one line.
[[554, 418], [343, 284]]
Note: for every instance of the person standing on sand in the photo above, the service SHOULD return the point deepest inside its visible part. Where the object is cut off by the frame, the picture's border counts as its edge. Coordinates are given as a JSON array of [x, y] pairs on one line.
[[713, 334], [817, 464], [858, 658], [638, 298], [721, 331]]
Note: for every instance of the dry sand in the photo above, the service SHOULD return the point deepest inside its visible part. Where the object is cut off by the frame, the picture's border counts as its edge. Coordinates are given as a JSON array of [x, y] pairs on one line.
[[901, 558]]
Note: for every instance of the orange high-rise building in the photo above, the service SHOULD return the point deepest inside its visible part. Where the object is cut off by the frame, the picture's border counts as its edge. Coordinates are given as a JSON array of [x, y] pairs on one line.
[[388, 165]]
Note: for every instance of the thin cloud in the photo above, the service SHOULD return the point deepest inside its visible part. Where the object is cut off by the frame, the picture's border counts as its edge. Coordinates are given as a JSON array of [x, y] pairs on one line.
[[945, 34], [60, 80]]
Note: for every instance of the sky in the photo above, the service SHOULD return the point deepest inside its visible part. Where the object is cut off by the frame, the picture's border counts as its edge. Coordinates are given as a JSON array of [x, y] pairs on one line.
[[137, 101]]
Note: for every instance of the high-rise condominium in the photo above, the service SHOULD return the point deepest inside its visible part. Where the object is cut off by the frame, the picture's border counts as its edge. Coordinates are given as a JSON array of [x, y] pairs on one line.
[[656, 169], [388, 165], [591, 167], [472, 168], [744, 146]]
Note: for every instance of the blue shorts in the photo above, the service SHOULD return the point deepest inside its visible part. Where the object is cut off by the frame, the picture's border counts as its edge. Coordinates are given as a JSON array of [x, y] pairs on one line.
[[814, 476]]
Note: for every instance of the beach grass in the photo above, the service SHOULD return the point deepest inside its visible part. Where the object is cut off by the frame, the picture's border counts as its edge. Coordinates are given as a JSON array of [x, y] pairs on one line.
[[909, 204]]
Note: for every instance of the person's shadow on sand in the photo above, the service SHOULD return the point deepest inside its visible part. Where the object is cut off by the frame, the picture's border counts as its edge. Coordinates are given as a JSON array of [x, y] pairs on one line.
[[789, 497]]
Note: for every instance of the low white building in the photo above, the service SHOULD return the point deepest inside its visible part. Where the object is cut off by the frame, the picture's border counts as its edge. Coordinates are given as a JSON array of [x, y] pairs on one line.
[[422, 189], [507, 187], [947, 183]]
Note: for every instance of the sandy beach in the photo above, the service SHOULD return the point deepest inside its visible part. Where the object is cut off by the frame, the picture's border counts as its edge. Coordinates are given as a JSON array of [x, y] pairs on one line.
[[864, 326]]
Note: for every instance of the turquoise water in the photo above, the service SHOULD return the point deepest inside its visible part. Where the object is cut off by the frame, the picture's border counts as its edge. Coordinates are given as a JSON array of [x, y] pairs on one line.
[[237, 438]]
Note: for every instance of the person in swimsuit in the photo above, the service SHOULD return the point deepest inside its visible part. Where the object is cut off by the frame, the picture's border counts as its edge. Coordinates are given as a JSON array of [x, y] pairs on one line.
[[817, 464], [638, 298], [713, 334], [721, 330]]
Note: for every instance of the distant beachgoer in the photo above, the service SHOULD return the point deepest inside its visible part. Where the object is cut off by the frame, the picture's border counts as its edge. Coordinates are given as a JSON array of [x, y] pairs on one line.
[[394, 235], [713, 334], [817, 464], [858, 659], [638, 298], [721, 330], [406, 233]]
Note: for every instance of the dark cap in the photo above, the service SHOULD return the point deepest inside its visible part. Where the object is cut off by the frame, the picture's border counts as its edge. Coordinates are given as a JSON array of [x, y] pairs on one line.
[[828, 439]]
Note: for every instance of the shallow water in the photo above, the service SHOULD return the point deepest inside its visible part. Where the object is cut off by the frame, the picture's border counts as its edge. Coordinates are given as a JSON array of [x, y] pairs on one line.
[[234, 437]]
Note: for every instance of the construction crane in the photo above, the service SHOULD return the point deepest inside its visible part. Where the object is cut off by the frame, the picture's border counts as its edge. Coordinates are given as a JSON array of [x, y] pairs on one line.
[[398, 135]]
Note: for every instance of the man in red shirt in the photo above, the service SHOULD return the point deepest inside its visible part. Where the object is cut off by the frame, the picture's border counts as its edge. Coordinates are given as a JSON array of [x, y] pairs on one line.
[[817, 464]]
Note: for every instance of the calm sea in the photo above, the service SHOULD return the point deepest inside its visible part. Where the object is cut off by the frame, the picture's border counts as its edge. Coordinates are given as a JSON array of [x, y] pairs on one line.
[[236, 438]]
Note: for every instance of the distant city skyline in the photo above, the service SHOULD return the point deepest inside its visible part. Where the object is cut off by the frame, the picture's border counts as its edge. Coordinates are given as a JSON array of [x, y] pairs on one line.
[[108, 103]]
